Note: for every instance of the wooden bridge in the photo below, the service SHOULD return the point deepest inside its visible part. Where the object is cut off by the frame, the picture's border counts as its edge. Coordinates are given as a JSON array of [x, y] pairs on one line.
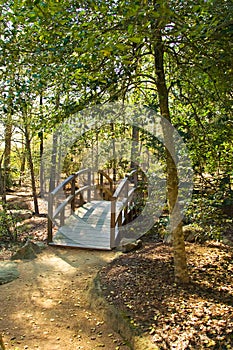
[[88, 208]]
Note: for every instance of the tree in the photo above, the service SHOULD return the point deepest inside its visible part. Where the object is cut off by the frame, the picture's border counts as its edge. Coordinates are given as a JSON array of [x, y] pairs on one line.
[[143, 36], [168, 55]]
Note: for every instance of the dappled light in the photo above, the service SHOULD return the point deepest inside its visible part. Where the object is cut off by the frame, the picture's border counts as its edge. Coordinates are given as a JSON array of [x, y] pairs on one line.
[[48, 306], [198, 315], [116, 135]]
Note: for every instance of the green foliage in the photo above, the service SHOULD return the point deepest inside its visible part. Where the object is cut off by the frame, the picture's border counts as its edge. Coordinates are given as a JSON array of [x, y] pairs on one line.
[[208, 212], [8, 227], [71, 57]]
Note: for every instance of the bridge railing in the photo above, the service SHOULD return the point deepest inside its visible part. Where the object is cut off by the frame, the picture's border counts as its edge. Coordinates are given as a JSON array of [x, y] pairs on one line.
[[57, 212], [57, 209], [126, 189], [123, 201], [103, 175]]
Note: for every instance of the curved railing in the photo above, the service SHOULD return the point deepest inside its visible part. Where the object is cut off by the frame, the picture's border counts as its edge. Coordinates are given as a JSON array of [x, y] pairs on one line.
[[61, 205], [58, 212], [102, 188], [124, 213]]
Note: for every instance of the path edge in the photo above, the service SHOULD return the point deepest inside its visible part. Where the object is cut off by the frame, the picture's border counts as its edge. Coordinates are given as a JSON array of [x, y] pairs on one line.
[[117, 319]]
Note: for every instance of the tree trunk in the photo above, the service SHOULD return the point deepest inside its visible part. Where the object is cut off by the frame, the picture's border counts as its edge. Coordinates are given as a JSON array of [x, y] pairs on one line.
[[180, 264], [113, 153], [22, 167], [42, 190], [53, 169], [41, 137], [2, 183], [7, 150], [31, 167], [56, 156], [134, 149], [22, 161]]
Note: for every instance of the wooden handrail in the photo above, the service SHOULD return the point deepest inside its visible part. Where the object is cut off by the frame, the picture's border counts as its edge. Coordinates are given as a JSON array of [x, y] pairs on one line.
[[134, 171], [60, 210], [110, 180], [120, 188], [119, 214], [107, 177], [117, 217], [69, 179], [69, 199]]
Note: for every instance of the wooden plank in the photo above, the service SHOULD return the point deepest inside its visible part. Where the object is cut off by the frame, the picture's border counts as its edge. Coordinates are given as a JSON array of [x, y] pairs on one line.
[[76, 245], [89, 227], [82, 240], [94, 221]]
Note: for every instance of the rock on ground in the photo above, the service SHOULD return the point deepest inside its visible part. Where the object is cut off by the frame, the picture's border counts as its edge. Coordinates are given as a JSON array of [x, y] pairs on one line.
[[8, 272], [28, 252]]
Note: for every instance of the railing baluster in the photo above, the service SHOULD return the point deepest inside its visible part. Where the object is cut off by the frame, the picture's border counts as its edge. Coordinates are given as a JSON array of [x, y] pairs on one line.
[[72, 204], [50, 216], [62, 217], [113, 223], [118, 217], [89, 184], [101, 184], [126, 212], [126, 200], [103, 175]]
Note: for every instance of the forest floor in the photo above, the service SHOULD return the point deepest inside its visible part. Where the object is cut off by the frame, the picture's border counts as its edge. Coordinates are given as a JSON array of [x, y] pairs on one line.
[[47, 307]]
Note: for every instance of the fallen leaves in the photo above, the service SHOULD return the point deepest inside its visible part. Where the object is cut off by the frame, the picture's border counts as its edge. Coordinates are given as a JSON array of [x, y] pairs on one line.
[[197, 316]]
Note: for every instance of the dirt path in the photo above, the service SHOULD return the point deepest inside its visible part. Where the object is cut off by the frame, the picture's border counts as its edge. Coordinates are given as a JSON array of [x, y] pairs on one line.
[[47, 307]]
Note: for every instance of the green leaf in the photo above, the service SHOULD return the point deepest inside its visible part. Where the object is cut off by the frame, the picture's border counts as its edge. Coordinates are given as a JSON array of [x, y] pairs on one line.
[[106, 52], [136, 39], [122, 46], [130, 29]]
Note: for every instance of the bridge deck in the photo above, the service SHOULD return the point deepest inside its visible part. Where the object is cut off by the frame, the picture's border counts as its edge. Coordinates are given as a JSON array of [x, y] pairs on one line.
[[88, 227]]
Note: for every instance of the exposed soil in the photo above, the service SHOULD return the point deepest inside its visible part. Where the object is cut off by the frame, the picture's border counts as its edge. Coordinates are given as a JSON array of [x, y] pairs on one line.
[[47, 307]]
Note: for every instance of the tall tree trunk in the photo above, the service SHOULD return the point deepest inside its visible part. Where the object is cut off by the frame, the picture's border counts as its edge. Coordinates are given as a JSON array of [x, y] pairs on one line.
[[55, 157], [41, 137], [52, 180], [97, 149], [22, 166], [22, 161], [113, 152], [180, 264], [135, 147], [31, 167], [2, 183], [7, 150]]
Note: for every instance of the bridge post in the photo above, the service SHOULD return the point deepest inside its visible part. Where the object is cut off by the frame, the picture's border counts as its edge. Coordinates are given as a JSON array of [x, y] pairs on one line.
[[126, 201], [135, 180], [89, 184], [101, 185], [113, 223], [72, 204], [50, 215], [62, 217], [50, 231]]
